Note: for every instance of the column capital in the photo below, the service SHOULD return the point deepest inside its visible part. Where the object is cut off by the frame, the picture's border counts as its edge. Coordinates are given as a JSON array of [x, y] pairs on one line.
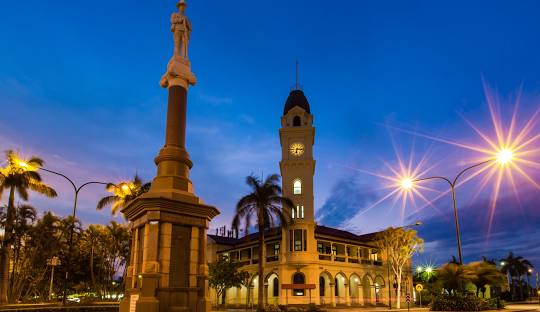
[[178, 74]]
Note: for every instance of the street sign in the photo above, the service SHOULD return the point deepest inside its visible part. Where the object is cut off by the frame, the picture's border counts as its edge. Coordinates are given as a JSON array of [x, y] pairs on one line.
[[298, 286], [408, 298], [419, 288]]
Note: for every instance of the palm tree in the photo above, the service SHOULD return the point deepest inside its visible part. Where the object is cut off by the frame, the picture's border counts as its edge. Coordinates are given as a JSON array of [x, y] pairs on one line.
[[25, 215], [453, 276], [515, 267], [123, 194], [118, 244], [485, 273], [18, 176], [92, 236], [265, 203]]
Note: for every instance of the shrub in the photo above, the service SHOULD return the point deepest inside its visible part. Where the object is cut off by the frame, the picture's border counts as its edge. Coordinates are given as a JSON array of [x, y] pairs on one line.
[[426, 298], [272, 308], [314, 308], [457, 302], [467, 302]]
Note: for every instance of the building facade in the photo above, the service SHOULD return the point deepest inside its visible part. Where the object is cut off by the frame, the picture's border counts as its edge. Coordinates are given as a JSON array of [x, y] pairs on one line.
[[305, 262]]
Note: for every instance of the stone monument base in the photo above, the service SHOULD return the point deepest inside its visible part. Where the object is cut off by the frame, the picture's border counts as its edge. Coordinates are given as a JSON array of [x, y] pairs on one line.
[[168, 269]]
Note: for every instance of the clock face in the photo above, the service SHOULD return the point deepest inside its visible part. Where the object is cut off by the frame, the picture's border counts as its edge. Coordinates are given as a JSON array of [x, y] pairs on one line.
[[297, 149]]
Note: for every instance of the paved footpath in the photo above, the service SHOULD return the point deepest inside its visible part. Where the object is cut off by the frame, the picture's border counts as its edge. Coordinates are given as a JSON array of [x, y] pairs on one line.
[[513, 307], [529, 306]]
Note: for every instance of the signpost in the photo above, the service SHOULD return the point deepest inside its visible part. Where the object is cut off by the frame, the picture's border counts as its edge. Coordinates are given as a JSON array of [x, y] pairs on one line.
[[297, 286], [52, 262], [408, 298], [419, 288]]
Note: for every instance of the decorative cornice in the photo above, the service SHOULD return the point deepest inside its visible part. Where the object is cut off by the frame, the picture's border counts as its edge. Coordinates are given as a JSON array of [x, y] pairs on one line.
[[159, 208]]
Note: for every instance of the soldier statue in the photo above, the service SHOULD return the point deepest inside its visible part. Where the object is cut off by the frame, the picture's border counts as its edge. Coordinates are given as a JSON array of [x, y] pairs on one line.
[[181, 28], [178, 69]]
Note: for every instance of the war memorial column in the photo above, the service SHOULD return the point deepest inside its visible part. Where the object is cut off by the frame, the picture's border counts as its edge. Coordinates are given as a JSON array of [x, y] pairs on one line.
[[168, 269]]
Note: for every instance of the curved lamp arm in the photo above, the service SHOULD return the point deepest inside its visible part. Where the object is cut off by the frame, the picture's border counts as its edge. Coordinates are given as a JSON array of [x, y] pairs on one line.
[[471, 167]]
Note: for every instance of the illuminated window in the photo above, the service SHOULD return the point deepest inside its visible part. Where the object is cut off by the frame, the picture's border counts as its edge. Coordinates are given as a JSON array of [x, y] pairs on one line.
[[297, 240], [290, 240], [298, 213], [297, 187], [298, 279]]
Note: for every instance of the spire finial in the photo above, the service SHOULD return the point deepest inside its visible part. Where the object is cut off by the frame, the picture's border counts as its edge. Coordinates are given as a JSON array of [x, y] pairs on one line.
[[297, 86]]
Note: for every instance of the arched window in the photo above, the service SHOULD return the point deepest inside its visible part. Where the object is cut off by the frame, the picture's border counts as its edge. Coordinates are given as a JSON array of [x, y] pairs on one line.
[[322, 286], [297, 187], [297, 122], [298, 278], [276, 287], [336, 286]]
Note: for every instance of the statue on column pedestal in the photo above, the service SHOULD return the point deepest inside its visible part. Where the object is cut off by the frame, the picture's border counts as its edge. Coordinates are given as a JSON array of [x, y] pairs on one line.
[[181, 28], [179, 68]]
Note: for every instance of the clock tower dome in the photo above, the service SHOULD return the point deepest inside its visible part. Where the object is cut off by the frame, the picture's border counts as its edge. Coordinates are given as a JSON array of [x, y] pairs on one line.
[[297, 167]]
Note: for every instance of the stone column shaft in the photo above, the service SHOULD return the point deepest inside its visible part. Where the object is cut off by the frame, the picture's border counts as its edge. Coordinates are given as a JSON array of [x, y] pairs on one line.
[[175, 131]]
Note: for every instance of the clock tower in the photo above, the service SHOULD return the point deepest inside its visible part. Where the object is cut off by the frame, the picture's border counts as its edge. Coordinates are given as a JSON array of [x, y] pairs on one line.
[[297, 166]]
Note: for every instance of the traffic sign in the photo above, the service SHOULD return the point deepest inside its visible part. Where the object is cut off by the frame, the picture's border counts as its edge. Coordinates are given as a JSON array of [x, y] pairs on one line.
[[419, 287], [408, 298]]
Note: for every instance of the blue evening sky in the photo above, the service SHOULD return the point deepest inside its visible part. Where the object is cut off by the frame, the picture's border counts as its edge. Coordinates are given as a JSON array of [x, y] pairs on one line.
[[79, 88]]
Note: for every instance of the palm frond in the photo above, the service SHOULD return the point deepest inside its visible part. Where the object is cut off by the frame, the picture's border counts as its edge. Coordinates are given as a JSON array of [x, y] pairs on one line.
[[137, 180], [145, 187], [116, 206], [110, 187], [106, 201], [35, 162], [253, 182], [32, 176], [245, 201], [272, 179], [23, 193], [42, 189]]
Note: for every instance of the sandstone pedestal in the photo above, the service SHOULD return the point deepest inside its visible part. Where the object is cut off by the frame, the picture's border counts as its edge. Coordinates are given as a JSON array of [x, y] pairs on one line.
[[168, 269]]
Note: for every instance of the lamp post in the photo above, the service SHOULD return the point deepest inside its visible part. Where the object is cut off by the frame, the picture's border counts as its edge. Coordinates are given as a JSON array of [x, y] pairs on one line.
[[503, 156], [72, 226], [453, 184], [529, 272], [391, 285], [537, 290]]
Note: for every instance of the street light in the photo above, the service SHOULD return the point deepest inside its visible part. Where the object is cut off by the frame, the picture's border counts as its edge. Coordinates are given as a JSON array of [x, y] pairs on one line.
[[529, 288], [72, 226], [503, 157]]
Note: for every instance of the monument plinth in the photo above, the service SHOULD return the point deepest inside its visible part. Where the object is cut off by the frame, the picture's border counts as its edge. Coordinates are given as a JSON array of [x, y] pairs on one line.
[[168, 269]]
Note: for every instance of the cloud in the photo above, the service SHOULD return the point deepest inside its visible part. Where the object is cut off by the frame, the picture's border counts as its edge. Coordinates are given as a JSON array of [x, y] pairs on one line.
[[215, 100], [347, 197], [247, 119]]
